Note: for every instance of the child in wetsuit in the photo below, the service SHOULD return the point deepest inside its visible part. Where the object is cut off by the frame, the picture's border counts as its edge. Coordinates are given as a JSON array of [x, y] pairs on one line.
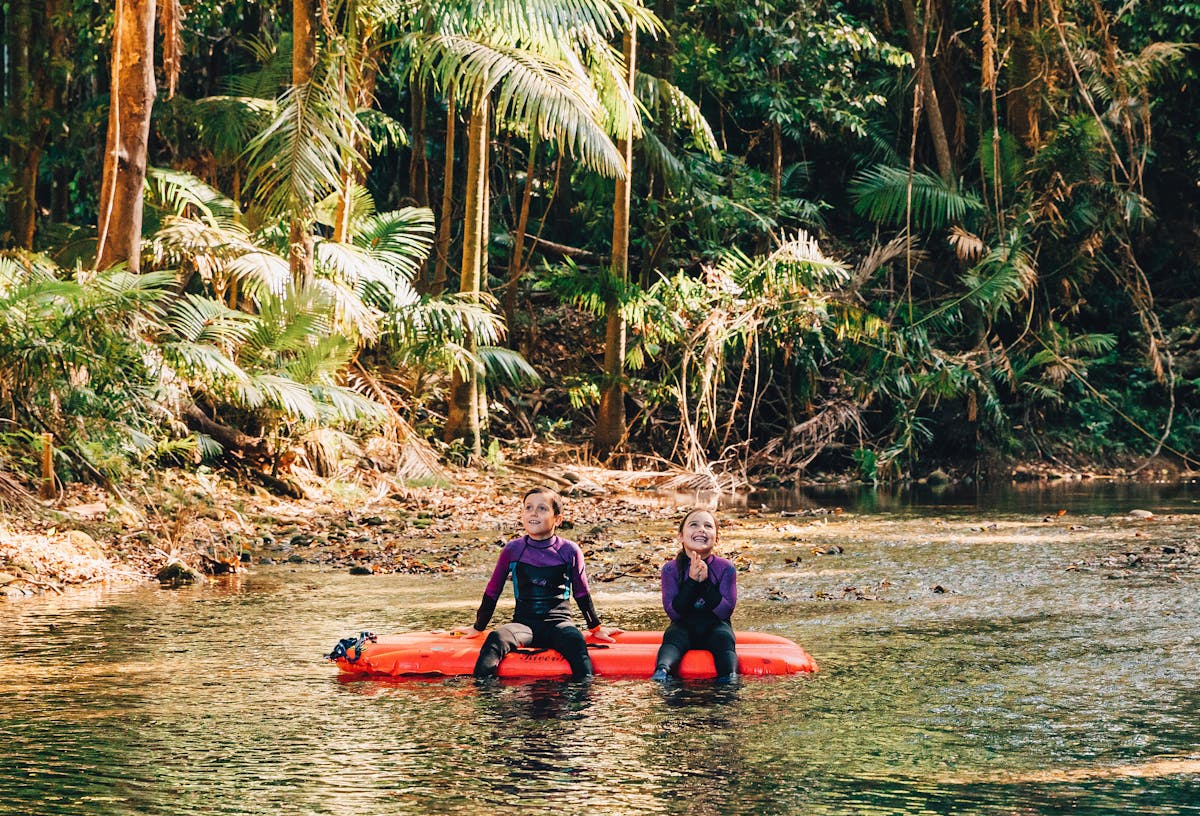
[[699, 592], [546, 571]]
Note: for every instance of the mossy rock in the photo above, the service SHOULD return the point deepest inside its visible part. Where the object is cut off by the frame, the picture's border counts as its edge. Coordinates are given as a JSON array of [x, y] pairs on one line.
[[177, 574]]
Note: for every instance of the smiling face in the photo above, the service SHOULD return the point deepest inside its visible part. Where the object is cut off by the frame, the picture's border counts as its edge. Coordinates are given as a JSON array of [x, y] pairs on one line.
[[698, 533], [541, 514]]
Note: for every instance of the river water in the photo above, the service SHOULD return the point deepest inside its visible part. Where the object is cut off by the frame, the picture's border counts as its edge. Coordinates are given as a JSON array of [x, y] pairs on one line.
[[978, 656]]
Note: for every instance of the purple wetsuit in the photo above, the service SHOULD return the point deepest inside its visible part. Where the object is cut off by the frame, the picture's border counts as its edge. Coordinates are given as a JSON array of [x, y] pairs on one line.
[[699, 613], [545, 575], [686, 600]]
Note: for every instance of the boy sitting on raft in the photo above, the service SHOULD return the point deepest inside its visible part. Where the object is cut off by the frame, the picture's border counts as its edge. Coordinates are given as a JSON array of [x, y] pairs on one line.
[[546, 571]]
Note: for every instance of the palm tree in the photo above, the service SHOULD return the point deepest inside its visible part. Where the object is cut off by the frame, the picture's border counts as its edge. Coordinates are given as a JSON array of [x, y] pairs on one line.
[[610, 418], [533, 59]]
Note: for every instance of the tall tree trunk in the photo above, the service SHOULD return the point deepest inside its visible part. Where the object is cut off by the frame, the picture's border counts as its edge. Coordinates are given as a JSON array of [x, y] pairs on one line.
[[610, 418], [1026, 77], [516, 262], [304, 59], [463, 418], [418, 163], [26, 131], [57, 80], [927, 94], [776, 150], [418, 166], [438, 284], [362, 74], [133, 90]]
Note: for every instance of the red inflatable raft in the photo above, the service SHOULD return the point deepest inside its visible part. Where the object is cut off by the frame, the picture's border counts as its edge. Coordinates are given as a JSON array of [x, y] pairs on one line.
[[632, 655]]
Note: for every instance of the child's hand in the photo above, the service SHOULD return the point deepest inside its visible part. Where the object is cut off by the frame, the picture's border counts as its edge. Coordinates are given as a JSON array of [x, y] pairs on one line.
[[698, 570], [466, 631], [604, 634]]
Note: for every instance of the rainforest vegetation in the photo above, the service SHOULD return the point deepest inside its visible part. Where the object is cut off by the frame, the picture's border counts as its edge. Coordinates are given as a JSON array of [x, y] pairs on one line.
[[746, 240]]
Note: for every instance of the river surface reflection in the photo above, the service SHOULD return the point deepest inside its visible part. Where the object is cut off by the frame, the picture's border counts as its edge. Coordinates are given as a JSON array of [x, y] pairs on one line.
[[983, 657]]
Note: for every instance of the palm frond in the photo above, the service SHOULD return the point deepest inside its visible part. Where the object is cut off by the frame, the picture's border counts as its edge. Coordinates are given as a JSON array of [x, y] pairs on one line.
[[352, 316], [446, 320], [274, 61], [659, 157], [301, 155], [284, 394], [401, 239], [503, 365], [263, 273], [361, 203], [1005, 276], [383, 132], [197, 319], [680, 112], [183, 194], [227, 123], [341, 403], [543, 93], [19, 267], [881, 194]]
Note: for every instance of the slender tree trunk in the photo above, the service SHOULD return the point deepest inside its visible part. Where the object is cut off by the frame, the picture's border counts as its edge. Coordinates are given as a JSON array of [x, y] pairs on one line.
[[418, 166], [438, 284], [418, 163], [304, 59], [610, 418], [927, 92], [776, 150], [133, 91], [463, 420], [25, 136], [57, 80], [516, 263], [362, 73]]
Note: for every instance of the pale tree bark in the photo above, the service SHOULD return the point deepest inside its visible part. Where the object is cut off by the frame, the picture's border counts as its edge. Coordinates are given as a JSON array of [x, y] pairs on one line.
[[610, 417], [304, 59], [466, 391], [362, 74], [926, 93], [133, 91]]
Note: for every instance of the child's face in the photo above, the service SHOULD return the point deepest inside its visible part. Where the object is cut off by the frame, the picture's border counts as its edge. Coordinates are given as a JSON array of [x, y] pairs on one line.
[[699, 533], [539, 516]]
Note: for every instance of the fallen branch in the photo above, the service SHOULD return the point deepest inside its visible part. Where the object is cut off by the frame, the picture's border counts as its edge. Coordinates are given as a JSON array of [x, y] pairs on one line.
[[231, 439]]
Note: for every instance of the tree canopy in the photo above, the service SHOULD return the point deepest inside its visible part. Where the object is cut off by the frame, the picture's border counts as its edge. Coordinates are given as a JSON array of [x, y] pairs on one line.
[[752, 239]]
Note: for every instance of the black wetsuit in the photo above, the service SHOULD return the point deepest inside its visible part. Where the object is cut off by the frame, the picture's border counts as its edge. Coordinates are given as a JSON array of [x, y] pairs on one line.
[[545, 575]]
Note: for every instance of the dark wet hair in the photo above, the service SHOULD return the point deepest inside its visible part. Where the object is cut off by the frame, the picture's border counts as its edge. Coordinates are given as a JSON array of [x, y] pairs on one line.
[[693, 511], [682, 559], [555, 499]]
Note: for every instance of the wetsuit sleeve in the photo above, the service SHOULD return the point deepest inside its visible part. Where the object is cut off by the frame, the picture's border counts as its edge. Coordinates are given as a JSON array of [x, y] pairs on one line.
[[579, 584], [670, 590], [588, 608], [486, 608], [727, 584], [495, 585]]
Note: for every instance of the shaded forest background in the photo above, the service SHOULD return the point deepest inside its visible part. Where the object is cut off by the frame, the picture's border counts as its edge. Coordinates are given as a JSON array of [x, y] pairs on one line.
[[745, 240]]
